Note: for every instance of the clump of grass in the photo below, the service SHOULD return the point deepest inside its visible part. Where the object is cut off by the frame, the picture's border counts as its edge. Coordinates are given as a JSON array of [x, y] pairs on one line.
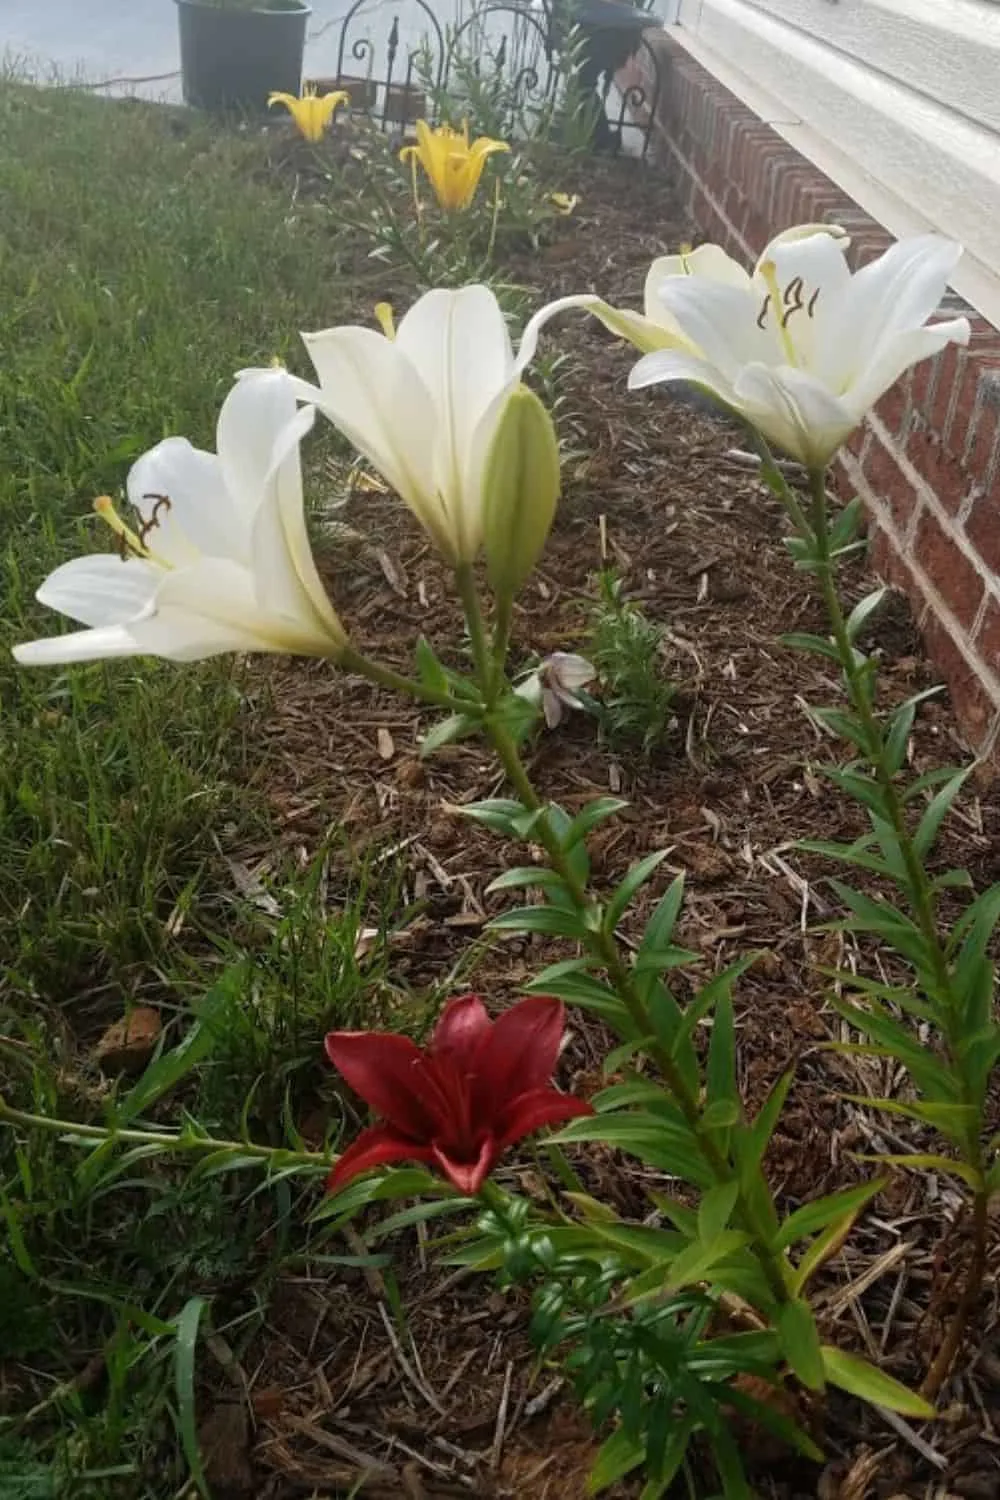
[[626, 647]]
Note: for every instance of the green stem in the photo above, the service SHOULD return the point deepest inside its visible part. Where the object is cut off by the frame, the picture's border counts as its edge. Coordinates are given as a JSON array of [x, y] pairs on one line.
[[353, 661], [11, 1116], [924, 908], [919, 886], [623, 984], [465, 582]]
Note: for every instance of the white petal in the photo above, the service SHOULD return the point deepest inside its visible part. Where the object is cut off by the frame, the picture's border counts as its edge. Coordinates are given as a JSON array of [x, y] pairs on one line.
[[198, 516], [100, 590], [891, 295], [253, 415], [213, 608], [459, 344], [708, 261], [287, 582], [79, 645], [670, 365], [371, 391], [569, 671], [720, 320], [802, 232], [897, 355], [795, 411], [535, 324]]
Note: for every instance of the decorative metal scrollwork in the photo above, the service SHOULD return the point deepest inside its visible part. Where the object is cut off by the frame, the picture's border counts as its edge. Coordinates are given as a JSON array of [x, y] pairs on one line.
[[399, 62]]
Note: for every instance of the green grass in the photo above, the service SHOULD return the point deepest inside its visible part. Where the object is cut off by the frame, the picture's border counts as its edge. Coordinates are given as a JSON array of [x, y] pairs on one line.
[[145, 256]]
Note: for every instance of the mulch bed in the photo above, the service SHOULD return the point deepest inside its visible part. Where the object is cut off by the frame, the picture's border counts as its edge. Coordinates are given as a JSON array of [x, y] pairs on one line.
[[454, 1404], [346, 1401]]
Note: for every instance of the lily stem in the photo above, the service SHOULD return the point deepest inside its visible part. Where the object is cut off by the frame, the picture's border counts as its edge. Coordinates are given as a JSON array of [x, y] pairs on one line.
[[11, 1116], [919, 890]]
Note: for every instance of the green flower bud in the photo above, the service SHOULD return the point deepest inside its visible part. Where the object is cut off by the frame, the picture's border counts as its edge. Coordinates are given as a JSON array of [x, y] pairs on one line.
[[520, 491]]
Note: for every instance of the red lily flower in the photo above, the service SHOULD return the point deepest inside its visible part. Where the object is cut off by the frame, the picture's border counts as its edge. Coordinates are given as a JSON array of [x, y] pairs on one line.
[[458, 1103]]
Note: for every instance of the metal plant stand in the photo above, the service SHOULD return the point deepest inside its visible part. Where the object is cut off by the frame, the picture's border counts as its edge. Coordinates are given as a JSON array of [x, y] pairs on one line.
[[399, 61]]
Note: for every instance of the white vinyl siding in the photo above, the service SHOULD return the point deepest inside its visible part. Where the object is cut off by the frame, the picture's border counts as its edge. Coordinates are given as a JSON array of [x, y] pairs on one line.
[[898, 99]]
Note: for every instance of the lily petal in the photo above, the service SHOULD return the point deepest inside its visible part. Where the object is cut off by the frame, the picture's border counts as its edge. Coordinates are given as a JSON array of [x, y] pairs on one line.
[[105, 643], [463, 1024], [468, 1177], [794, 410], [387, 1072], [377, 1146], [184, 489], [720, 320], [670, 365], [459, 345], [521, 1051], [371, 391], [535, 1109], [100, 589], [900, 352]]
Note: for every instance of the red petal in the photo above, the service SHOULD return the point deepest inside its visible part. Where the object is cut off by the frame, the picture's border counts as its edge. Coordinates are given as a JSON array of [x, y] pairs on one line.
[[375, 1147], [388, 1071], [535, 1109], [520, 1052], [469, 1177], [463, 1024]]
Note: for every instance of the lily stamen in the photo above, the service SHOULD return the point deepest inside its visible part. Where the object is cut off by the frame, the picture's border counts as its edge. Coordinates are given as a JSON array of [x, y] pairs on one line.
[[775, 298], [130, 543]]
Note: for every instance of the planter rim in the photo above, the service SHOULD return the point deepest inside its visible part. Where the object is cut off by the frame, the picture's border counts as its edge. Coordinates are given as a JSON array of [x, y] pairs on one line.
[[260, 8]]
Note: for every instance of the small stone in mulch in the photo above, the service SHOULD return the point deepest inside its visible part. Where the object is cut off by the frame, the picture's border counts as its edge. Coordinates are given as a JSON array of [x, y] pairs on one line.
[[128, 1045]]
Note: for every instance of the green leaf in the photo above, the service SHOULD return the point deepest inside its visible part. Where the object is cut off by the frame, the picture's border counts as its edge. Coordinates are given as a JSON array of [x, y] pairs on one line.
[[400, 1182], [167, 1070], [816, 1215], [859, 1378], [588, 818], [848, 854], [647, 1136], [554, 921], [926, 1162], [618, 1456], [715, 1209], [863, 611], [720, 1069], [930, 823], [847, 524], [429, 669], [820, 1250], [821, 645], [454, 727], [497, 813], [752, 1142], [634, 881], [526, 876], [185, 1349], [660, 927], [589, 994], [695, 1263], [721, 1114], [800, 1342]]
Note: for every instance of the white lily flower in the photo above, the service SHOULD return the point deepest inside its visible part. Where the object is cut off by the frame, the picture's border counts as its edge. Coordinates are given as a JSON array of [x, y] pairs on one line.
[[219, 558], [656, 327], [555, 684], [421, 403], [805, 348]]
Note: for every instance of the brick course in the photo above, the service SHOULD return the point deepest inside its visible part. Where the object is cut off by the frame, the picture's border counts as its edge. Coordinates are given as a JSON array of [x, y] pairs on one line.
[[928, 460]]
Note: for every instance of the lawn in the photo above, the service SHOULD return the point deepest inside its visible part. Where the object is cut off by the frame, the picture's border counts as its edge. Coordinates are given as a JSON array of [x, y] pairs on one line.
[[204, 869]]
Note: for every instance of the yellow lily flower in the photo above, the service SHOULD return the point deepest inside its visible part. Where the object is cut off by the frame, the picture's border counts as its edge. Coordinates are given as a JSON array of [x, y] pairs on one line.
[[312, 112], [564, 203], [452, 163]]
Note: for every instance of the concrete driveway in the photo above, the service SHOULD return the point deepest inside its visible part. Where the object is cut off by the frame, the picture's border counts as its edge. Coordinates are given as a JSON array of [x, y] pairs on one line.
[[130, 46]]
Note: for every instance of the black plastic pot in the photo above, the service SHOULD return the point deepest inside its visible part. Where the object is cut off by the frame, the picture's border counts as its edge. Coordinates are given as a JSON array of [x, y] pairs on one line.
[[233, 57]]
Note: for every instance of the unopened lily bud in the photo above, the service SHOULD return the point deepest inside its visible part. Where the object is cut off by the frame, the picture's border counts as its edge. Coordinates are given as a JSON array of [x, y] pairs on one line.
[[520, 491]]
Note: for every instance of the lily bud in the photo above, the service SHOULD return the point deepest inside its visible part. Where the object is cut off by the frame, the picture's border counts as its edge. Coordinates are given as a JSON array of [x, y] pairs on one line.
[[520, 490]]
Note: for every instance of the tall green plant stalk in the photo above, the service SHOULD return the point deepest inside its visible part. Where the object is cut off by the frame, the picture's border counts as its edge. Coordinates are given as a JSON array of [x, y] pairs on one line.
[[953, 979]]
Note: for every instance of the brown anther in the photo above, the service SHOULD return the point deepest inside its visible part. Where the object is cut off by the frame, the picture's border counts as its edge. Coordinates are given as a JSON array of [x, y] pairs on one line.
[[792, 299], [811, 305], [160, 502], [762, 315]]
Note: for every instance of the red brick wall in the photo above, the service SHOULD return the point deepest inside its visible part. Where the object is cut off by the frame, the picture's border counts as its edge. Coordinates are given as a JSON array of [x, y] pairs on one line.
[[928, 459]]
